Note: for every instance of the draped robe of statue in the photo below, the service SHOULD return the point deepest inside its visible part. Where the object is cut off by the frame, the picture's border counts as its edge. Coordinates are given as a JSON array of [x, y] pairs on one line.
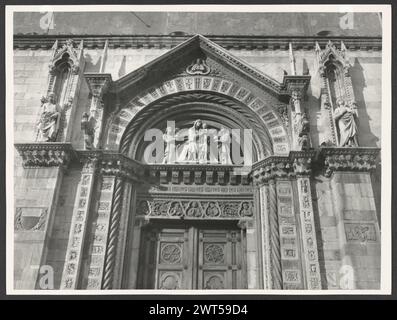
[[203, 144], [345, 117], [48, 125], [224, 152], [170, 148], [189, 152]]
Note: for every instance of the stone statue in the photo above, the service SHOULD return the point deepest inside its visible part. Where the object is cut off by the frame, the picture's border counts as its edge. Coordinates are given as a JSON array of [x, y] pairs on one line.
[[345, 117], [170, 149], [48, 124], [88, 127], [302, 129], [224, 150], [189, 152], [203, 144]]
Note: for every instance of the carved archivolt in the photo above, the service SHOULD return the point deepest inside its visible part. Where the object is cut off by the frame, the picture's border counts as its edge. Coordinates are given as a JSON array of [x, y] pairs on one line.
[[255, 109]]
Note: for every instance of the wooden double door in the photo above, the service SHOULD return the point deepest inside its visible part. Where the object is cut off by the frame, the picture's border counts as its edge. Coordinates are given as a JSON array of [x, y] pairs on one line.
[[191, 257]]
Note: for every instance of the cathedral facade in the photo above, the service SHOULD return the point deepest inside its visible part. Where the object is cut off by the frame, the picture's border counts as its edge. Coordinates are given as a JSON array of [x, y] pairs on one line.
[[193, 161]]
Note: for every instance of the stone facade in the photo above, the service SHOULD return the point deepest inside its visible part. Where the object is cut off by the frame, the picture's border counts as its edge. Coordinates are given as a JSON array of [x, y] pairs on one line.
[[80, 207]]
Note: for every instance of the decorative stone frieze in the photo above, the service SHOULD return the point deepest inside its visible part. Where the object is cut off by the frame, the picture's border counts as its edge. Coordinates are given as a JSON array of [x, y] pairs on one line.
[[348, 159], [47, 154], [195, 209], [297, 163]]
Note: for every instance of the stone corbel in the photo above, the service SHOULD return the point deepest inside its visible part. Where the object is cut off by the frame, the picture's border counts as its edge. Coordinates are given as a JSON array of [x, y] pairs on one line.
[[48, 154], [98, 84], [348, 159], [271, 168]]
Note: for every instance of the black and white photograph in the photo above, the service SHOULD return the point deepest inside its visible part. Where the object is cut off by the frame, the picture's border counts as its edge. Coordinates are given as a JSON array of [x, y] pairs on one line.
[[198, 149]]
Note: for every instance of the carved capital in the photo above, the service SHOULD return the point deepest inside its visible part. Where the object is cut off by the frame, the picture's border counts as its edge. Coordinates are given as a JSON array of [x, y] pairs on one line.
[[302, 161], [98, 83], [271, 168]]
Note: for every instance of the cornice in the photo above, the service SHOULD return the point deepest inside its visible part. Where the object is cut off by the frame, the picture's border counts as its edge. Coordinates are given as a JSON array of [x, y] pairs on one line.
[[26, 41], [297, 163]]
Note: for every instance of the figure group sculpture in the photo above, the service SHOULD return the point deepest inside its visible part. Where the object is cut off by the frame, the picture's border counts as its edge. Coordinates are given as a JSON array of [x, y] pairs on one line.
[[203, 145]]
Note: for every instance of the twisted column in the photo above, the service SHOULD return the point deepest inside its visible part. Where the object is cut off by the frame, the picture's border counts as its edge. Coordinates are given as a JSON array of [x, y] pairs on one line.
[[111, 248], [277, 279]]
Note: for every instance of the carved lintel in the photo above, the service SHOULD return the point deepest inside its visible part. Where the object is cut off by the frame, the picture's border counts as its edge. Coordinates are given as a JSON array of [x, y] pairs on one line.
[[47, 154], [233, 178], [209, 177], [221, 177], [163, 176], [175, 177], [245, 179], [348, 159], [186, 177], [197, 177]]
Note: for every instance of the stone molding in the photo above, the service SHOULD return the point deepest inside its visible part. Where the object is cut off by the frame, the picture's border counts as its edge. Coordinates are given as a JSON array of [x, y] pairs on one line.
[[26, 41]]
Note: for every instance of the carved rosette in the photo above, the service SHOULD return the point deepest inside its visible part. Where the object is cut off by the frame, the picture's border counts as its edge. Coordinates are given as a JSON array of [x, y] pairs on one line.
[[349, 159]]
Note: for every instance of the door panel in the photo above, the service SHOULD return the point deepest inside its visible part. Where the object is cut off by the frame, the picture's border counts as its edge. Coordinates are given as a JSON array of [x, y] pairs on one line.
[[191, 258], [173, 269], [219, 265]]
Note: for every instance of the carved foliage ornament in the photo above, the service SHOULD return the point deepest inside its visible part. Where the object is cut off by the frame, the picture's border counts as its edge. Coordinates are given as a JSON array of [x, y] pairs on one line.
[[195, 209]]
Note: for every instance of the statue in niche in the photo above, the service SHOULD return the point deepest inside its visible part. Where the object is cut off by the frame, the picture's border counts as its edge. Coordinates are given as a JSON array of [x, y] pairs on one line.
[[224, 150], [169, 152], [88, 127], [48, 124], [345, 117]]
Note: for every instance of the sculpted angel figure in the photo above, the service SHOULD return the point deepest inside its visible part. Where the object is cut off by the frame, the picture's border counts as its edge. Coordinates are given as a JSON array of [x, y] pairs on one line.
[[48, 124], [345, 117]]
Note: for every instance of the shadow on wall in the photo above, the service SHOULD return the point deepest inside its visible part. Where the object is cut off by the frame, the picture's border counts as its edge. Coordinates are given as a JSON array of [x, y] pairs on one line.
[[365, 137]]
